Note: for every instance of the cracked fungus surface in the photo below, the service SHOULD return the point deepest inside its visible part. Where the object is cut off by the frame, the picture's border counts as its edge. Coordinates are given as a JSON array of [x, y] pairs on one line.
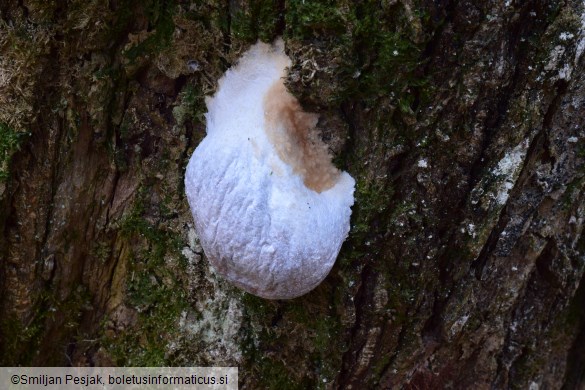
[[269, 206]]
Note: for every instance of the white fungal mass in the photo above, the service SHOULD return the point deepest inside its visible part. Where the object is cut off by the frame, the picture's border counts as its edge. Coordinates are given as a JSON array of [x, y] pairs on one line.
[[270, 208]]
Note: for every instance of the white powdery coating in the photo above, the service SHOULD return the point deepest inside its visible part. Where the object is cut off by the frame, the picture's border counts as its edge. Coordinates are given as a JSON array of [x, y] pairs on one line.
[[581, 40], [259, 225], [509, 168]]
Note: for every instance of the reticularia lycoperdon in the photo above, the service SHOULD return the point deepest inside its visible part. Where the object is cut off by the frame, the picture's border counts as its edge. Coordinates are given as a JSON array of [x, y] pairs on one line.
[[270, 208]]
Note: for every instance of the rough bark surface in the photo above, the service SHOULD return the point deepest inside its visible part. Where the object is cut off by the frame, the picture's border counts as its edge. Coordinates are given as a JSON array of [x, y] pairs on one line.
[[462, 123]]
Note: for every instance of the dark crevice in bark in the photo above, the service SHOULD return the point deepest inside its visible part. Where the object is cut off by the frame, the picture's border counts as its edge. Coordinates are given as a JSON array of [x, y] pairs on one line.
[[575, 374], [358, 333], [277, 316], [227, 35], [112, 195], [346, 111], [55, 150], [522, 54], [515, 346], [538, 147], [544, 262], [478, 264], [115, 260], [24, 8], [432, 330], [280, 25], [184, 156], [446, 10], [560, 88]]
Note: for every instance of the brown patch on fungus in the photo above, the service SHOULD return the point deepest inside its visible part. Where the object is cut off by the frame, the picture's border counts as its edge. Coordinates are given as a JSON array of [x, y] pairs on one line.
[[292, 132]]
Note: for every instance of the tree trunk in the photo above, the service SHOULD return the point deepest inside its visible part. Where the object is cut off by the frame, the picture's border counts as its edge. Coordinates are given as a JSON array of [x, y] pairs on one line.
[[462, 124]]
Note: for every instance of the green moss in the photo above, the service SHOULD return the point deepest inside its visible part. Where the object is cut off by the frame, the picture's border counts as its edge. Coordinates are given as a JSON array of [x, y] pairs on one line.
[[160, 17], [192, 107], [308, 18], [380, 366], [323, 327], [528, 366], [154, 289], [380, 54], [24, 47], [258, 307], [160, 299], [572, 191], [23, 341], [315, 330], [20, 341], [259, 19], [372, 198], [275, 375], [10, 141], [386, 62]]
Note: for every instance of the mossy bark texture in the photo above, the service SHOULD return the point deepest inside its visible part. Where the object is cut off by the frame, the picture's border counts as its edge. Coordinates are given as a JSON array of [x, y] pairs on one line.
[[462, 123]]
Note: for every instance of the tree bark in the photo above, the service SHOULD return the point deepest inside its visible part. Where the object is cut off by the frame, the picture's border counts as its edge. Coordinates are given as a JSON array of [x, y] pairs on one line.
[[462, 124]]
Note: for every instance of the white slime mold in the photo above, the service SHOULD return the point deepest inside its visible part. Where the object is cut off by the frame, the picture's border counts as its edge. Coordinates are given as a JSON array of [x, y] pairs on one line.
[[270, 208]]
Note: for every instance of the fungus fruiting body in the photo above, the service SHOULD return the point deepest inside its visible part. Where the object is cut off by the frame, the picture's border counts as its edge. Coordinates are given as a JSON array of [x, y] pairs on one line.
[[270, 208]]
